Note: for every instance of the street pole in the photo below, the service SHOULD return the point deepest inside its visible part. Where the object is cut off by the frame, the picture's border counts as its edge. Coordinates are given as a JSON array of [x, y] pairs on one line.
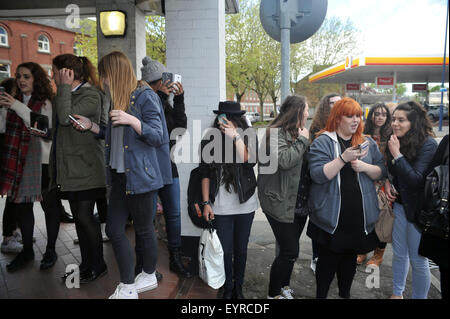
[[441, 108], [285, 26]]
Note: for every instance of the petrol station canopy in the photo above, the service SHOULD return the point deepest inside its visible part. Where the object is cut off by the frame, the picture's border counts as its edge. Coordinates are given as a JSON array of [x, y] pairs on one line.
[[406, 69]]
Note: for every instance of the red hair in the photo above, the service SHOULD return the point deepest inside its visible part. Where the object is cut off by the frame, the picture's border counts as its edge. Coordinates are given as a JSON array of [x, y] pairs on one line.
[[345, 107]]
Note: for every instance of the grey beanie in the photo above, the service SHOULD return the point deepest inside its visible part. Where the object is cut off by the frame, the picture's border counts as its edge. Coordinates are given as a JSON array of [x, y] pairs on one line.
[[152, 70]]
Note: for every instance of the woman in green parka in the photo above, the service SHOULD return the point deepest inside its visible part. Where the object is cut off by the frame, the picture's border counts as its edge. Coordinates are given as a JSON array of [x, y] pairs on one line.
[[77, 158], [278, 191]]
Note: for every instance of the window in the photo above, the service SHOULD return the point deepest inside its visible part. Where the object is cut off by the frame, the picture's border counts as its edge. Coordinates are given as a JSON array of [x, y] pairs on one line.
[[43, 44], [3, 37], [4, 71]]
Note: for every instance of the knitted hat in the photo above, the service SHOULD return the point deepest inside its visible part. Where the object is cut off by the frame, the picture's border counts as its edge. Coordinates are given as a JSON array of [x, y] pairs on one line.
[[152, 70]]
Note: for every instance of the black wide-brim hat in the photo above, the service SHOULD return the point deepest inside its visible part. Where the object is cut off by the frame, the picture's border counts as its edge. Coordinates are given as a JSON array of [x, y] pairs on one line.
[[229, 107]]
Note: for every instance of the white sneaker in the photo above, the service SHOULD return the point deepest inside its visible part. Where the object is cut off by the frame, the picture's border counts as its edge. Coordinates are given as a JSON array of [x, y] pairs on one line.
[[18, 236], [12, 246], [145, 282], [125, 292], [313, 264], [276, 297], [287, 292]]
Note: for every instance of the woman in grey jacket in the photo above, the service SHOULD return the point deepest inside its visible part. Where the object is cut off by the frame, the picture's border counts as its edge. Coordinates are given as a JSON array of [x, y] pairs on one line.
[[344, 205]]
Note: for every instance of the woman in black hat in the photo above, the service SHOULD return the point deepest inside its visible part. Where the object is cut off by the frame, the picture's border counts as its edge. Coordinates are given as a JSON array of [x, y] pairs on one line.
[[228, 188]]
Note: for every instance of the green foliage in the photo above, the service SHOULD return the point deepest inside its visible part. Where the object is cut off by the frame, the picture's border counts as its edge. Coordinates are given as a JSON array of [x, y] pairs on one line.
[[156, 38], [86, 40]]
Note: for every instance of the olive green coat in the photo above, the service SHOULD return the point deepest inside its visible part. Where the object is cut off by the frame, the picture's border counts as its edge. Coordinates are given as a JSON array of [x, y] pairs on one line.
[[80, 163], [278, 191]]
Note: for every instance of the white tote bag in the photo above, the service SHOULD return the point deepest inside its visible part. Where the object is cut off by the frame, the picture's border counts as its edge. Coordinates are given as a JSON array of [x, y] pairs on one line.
[[210, 257]]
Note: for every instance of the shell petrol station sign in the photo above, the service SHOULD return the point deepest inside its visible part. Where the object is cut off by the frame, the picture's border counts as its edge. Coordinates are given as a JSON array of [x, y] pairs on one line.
[[384, 82]]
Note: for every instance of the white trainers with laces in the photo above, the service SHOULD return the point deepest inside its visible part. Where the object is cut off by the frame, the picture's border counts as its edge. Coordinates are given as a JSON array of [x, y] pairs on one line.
[[125, 292], [18, 236], [11, 246], [276, 297], [287, 292], [145, 282]]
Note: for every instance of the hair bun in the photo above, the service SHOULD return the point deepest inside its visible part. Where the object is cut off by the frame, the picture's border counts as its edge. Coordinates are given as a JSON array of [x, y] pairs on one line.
[[146, 60]]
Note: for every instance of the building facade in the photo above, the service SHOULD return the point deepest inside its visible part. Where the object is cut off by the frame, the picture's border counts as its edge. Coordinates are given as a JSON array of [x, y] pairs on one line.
[[23, 41]]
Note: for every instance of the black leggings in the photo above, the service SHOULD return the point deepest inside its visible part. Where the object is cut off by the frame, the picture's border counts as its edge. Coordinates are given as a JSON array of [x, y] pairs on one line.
[[287, 236], [330, 263], [89, 235], [25, 218], [52, 207], [9, 220]]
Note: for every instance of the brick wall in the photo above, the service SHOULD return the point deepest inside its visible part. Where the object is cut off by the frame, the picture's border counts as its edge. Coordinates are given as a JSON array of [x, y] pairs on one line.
[[23, 43]]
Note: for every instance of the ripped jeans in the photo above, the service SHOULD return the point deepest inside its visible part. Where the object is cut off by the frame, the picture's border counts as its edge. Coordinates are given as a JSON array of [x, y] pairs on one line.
[[288, 237]]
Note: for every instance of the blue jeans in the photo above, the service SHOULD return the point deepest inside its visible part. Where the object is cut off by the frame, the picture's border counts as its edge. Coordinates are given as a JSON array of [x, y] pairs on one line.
[[233, 232], [405, 245], [170, 200]]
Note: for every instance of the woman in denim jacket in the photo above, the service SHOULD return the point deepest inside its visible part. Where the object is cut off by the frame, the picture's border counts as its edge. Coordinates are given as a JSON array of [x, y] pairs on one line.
[[343, 199], [411, 150], [135, 135]]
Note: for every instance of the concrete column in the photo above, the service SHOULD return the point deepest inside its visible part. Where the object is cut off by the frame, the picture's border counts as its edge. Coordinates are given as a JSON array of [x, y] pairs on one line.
[[195, 31], [133, 43]]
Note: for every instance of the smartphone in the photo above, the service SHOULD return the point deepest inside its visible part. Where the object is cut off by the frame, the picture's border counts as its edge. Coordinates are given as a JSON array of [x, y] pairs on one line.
[[177, 78], [2, 89], [222, 118], [167, 76], [76, 121], [363, 146]]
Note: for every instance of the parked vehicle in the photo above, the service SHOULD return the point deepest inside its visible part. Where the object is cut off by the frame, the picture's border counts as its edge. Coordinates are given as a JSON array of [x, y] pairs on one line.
[[434, 110], [253, 116]]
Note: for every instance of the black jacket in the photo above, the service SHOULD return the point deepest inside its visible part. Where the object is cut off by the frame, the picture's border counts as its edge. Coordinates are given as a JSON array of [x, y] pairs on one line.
[[410, 177], [175, 118], [430, 246], [245, 178]]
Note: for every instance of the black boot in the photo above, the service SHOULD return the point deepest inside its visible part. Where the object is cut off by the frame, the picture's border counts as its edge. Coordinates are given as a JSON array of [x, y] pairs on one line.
[[49, 259], [176, 265], [237, 292], [20, 261]]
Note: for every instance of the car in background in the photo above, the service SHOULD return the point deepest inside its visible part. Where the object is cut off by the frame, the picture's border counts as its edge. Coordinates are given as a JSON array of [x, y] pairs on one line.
[[434, 110], [252, 116]]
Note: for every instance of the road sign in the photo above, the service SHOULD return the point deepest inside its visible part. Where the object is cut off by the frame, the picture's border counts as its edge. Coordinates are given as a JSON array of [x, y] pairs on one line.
[[304, 18]]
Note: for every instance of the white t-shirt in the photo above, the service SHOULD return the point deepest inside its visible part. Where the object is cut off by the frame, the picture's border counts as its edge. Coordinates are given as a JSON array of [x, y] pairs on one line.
[[227, 203]]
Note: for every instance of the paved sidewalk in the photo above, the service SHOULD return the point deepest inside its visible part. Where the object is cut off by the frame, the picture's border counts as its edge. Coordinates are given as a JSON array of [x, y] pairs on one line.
[[32, 283]]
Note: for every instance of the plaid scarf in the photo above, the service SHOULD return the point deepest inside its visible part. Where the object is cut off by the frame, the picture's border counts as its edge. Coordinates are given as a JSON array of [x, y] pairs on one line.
[[15, 149]]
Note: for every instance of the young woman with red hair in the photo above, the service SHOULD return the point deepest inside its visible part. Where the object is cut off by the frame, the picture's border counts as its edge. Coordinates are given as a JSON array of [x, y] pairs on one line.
[[343, 199]]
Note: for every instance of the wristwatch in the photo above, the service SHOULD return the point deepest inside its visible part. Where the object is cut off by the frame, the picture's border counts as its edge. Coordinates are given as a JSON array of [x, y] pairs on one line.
[[396, 159], [206, 203]]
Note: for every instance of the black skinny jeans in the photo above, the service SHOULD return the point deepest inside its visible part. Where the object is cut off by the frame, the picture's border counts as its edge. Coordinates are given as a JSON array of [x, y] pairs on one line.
[[140, 207], [23, 214], [329, 264], [287, 236]]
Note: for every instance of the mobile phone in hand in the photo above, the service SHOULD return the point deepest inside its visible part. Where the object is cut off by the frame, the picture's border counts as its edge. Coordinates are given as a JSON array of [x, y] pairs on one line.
[[2, 89], [363, 146], [167, 76], [222, 118], [76, 121]]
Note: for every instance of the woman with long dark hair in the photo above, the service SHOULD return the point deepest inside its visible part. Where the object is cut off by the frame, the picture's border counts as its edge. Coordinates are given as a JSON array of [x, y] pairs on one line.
[[24, 153], [344, 206], [77, 159], [411, 150], [378, 126], [228, 188], [278, 191]]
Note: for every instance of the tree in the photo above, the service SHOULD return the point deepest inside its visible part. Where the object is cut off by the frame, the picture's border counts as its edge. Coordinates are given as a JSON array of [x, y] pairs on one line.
[[86, 40], [156, 38]]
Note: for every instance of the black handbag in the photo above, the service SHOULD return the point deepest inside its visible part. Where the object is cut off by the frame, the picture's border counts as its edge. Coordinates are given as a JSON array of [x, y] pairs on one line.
[[301, 206], [432, 218]]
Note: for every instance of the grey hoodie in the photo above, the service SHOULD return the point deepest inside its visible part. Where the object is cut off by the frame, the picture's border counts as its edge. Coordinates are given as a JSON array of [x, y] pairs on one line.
[[325, 195]]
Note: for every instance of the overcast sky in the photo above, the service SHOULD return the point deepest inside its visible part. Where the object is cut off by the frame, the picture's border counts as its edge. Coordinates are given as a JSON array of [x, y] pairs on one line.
[[396, 27]]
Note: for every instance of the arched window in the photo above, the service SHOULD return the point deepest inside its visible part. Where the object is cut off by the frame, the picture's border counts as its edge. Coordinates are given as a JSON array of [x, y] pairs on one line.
[[3, 37], [43, 44]]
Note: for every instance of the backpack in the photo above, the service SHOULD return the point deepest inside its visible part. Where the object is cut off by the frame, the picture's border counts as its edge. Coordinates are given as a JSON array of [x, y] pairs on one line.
[[432, 218], [195, 207]]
